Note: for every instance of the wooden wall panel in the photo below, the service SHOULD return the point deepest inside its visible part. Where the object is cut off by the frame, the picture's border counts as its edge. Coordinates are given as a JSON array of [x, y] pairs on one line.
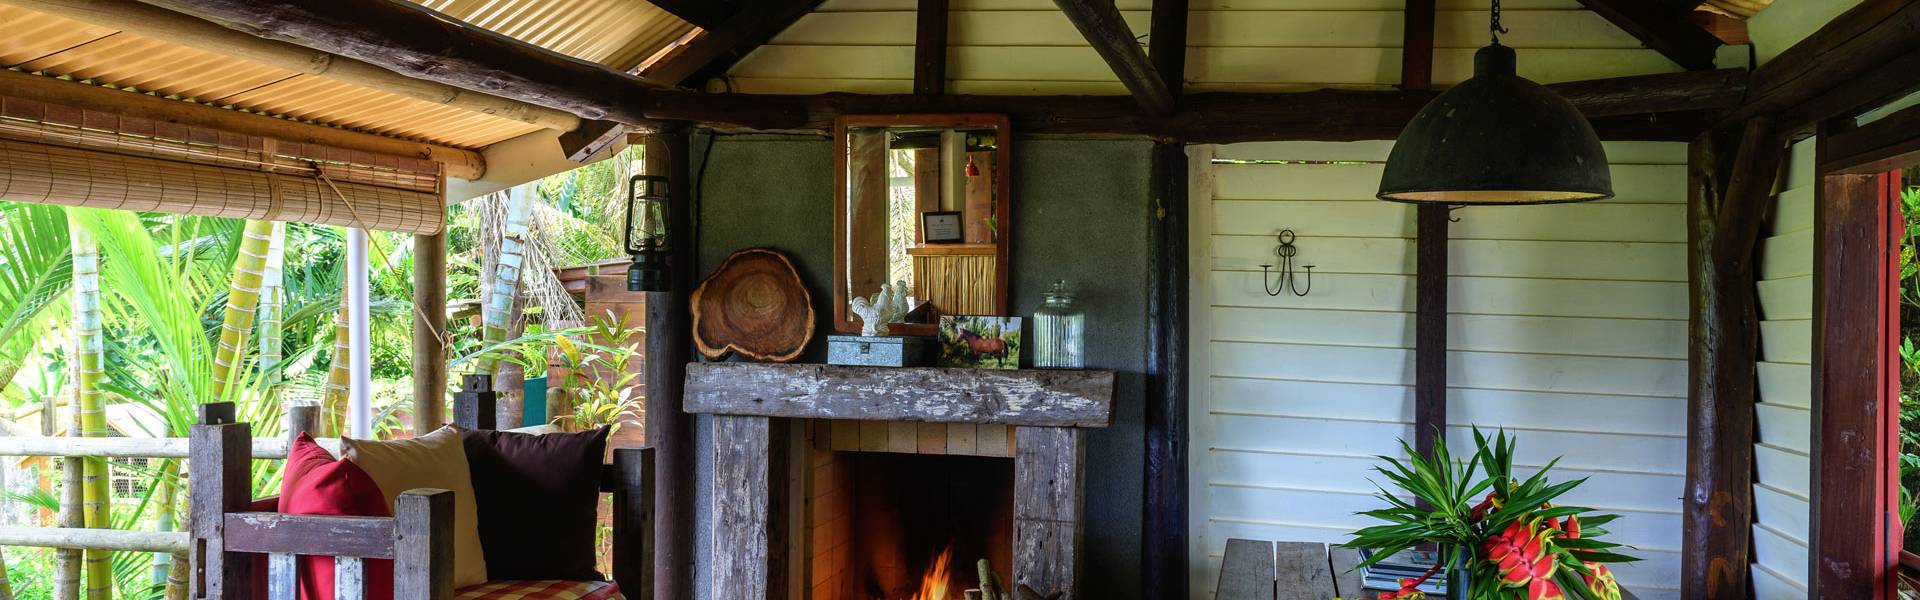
[[1784, 419], [1029, 47], [1567, 325]]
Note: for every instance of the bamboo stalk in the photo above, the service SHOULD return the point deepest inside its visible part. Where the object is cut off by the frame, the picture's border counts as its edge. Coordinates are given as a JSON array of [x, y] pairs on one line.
[[91, 418], [133, 447], [66, 580], [104, 540], [243, 302]]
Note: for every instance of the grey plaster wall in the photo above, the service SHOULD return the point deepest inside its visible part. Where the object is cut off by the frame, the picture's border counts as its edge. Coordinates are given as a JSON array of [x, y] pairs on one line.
[[1081, 213]]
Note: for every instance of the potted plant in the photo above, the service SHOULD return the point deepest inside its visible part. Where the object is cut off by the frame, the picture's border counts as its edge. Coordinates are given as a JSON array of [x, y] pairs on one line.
[[1497, 536]]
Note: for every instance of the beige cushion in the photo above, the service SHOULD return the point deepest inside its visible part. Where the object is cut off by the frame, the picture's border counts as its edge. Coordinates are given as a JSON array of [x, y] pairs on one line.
[[434, 460]]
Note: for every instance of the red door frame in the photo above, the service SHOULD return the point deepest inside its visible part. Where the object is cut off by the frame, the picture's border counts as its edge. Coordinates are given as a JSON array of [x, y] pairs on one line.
[[1856, 426]]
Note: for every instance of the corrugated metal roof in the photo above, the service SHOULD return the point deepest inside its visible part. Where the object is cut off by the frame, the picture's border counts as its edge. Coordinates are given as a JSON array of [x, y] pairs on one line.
[[616, 33]]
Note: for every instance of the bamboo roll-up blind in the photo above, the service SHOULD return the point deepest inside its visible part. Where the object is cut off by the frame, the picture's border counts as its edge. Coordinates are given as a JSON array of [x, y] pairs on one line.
[[31, 172], [65, 155]]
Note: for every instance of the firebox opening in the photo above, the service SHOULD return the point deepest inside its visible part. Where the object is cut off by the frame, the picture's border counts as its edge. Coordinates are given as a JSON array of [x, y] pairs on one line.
[[905, 511]]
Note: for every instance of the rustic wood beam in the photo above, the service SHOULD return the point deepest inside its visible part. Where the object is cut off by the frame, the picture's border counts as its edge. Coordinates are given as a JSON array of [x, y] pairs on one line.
[[930, 48], [1100, 22], [1724, 211], [459, 162], [1666, 106], [1661, 27], [1163, 553], [1847, 53], [705, 14], [582, 144], [431, 342], [710, 55], [1854, 537], [419, 42], [1167, 43], [1416, 45], [1884, 145], [1037, 397], [669, 349], [168, 26]]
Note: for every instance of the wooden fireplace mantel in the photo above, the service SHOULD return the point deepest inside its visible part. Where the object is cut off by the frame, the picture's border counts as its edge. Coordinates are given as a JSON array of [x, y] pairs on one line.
[[1051, 409], [1028, 397]]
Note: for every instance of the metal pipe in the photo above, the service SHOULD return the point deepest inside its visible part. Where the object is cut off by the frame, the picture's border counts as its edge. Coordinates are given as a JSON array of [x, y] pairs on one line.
[[359, 338]]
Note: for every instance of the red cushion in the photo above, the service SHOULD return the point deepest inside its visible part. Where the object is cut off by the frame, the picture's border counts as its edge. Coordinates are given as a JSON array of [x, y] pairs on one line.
[[317, 484]]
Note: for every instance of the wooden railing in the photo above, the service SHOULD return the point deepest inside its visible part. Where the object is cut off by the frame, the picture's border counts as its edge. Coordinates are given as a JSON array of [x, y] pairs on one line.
[[1909, 570]]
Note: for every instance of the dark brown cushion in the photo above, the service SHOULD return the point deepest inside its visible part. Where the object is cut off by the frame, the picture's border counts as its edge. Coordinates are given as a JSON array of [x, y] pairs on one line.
[[537, 496]]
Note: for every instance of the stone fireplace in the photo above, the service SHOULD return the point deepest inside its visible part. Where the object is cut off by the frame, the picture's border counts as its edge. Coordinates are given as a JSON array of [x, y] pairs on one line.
[[866, 483]]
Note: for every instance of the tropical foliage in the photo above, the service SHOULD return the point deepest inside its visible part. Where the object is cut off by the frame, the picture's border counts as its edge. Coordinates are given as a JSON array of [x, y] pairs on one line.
[[1513, 542], [192, 310]]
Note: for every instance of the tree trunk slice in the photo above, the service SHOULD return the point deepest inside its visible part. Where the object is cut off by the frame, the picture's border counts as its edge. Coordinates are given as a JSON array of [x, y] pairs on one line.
[[754, 304]]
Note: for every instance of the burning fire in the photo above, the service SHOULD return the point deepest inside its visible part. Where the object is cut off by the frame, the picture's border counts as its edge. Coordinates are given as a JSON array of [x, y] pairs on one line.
[[933, 585]]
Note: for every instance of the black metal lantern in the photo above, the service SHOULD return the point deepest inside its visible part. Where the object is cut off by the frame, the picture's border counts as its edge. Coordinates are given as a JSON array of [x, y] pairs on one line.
[[1497, 138], [647, 236]]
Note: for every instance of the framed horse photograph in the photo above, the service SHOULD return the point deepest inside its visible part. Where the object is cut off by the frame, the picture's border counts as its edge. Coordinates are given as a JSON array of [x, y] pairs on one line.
[[980, 342]]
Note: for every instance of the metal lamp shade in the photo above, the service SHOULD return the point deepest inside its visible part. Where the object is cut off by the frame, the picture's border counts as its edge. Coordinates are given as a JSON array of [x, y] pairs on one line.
[[1497, 139]]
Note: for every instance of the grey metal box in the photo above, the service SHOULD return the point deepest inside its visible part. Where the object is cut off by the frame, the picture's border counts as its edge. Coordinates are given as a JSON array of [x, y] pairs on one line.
[[878, 351]]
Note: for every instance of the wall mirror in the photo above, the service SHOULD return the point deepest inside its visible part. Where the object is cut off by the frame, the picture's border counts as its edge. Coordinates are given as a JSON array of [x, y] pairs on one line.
[[922, 200]]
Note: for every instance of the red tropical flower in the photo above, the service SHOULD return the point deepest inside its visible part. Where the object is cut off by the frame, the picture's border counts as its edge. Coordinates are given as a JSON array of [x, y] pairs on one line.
[[1523, 559]]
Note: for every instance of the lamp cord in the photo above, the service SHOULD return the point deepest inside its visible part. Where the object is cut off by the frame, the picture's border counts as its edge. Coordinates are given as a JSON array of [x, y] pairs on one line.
[[1494, 27]]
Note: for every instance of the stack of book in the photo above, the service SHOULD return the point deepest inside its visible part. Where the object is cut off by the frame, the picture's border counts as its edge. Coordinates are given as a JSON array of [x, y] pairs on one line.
[[1406, 564]]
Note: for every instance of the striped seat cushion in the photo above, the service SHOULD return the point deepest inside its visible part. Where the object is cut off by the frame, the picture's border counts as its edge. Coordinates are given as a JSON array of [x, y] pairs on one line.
[[541, 590]]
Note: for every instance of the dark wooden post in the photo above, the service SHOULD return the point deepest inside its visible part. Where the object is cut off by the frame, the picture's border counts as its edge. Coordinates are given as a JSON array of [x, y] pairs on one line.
[[220, 452], [930, 48], [1724, 207], [669, 349], [633, 521], [741, 536], [1163, 553], [1856, 385], [1047, 508], [429, 331], [423, 544], [1430, 329], [473, 405]]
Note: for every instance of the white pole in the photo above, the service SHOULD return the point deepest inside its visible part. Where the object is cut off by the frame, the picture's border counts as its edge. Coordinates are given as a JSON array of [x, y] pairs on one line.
[[359, 338]]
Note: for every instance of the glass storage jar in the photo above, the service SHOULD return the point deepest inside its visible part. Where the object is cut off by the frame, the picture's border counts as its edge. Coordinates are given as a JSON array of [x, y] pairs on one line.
[[1059, 331]]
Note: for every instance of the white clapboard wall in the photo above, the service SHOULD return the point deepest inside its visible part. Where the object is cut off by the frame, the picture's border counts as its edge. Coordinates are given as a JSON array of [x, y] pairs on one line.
[[1028, 47], [1781, 510], [1567, 326]]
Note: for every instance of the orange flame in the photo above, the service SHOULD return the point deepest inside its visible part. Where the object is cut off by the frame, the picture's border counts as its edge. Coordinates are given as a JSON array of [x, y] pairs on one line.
[[933, 585]]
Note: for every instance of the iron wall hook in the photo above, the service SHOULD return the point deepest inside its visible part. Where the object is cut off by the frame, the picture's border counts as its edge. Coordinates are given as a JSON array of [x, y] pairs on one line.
[[1286, 251]]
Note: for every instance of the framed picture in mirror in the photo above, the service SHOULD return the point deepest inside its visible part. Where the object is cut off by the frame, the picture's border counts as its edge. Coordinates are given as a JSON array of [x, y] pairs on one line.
[[942, 227], [922, 203]]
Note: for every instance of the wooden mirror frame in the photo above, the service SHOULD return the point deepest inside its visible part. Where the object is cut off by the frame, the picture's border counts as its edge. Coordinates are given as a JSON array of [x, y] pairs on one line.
[[843, 319]]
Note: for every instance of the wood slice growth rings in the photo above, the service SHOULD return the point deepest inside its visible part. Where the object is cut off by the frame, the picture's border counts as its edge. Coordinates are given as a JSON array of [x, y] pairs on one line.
[[754, 304]]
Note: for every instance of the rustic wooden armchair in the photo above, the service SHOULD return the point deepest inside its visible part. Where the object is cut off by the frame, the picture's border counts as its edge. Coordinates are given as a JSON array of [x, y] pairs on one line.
[[418, 538]]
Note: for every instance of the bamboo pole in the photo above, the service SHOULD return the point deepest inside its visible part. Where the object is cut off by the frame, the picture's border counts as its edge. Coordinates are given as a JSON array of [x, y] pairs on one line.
[[168, 26], [459, 162], [243, 303], [66, 561], [91, 417], [133, 447], [105, 540]]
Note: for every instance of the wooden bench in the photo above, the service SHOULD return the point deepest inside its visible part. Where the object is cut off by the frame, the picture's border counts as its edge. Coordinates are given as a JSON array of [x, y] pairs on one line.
[[1294, 571], [418, 538]]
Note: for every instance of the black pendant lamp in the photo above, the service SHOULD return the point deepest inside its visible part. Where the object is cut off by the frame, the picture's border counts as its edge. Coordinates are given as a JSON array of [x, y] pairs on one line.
[[1497, 138]]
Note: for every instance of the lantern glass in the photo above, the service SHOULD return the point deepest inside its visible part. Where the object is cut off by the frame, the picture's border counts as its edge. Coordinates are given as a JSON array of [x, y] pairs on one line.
[[647, 215], [648, 237]]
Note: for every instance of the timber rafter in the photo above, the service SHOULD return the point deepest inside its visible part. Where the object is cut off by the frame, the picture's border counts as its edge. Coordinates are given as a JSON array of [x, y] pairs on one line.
[[1662, 27], [1099, 21], [710, 55]]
